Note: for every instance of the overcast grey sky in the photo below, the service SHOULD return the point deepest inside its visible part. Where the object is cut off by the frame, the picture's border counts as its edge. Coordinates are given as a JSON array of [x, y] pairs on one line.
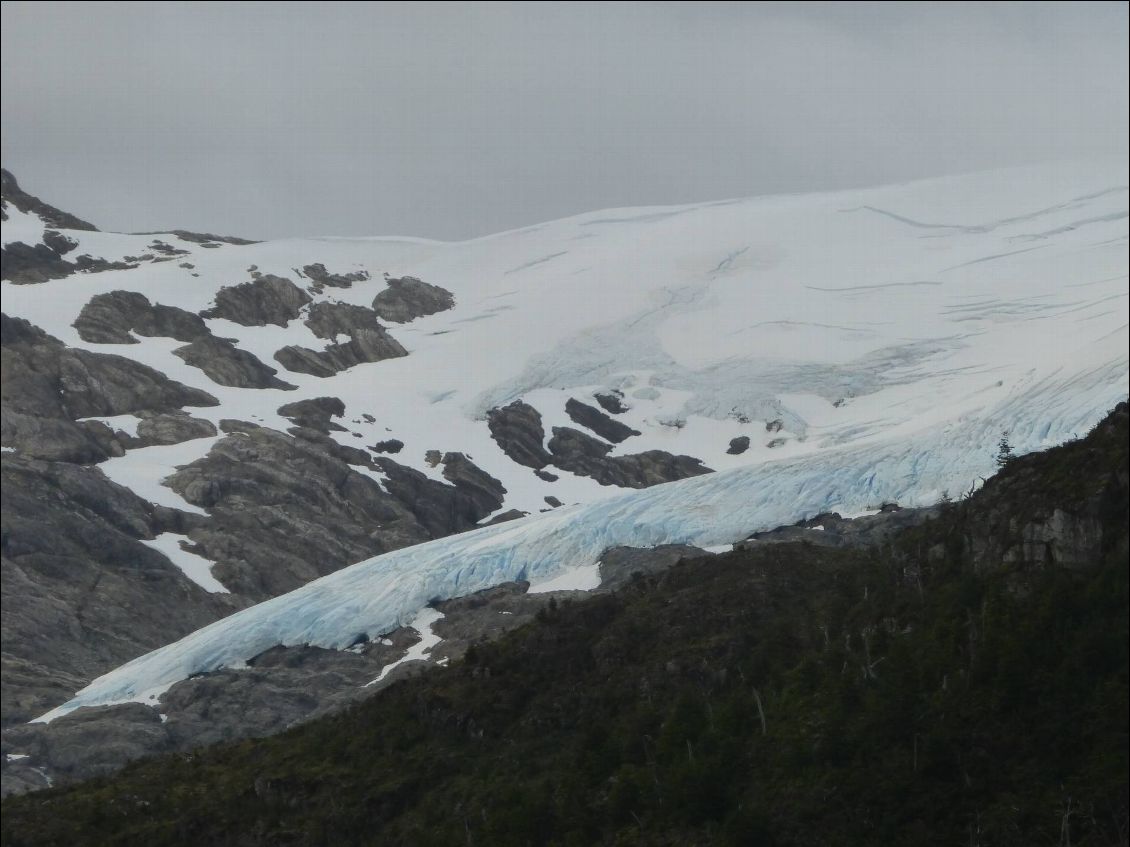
[[452, 121]]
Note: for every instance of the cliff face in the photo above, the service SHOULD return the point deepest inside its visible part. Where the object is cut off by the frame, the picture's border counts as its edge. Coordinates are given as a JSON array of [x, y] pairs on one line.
[[1056, 509]]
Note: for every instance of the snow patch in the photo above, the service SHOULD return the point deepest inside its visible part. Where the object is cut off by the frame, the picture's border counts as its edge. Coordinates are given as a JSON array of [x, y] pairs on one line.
[[194, 566], [425, 619]]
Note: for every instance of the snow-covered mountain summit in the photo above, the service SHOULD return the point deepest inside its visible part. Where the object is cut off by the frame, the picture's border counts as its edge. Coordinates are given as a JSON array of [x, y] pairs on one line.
[[813, 352]]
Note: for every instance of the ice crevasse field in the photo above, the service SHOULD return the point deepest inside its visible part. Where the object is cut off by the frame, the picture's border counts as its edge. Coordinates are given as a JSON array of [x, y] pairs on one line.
[[894, 334]]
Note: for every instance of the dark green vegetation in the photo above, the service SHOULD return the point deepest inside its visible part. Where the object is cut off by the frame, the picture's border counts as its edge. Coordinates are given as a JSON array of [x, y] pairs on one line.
[[965, 686]]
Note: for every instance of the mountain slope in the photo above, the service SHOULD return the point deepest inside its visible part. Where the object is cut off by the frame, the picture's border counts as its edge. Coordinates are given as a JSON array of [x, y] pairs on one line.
[[373, 394], [968, 681]]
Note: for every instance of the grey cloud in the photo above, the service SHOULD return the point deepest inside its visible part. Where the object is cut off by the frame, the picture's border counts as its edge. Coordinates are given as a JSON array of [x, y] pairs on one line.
[[452, 121]]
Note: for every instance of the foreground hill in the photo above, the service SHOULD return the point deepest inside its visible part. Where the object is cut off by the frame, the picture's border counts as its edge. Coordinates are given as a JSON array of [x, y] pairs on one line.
[[967, 682]]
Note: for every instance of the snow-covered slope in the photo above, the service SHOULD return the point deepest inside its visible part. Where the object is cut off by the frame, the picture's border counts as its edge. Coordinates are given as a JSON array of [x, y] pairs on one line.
[[893, 333]]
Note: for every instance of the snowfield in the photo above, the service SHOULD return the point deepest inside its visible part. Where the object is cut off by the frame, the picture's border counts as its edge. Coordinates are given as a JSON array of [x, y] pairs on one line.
[[873, 345]]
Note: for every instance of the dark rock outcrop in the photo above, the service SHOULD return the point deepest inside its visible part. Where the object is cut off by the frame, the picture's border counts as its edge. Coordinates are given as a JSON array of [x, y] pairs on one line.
[[391, 445], [619, 565], [47, 386], [484, 491], [444, 509], [349, 455], [166, 249], [315, 413], [332, 320], [578, 453], [32, 263], [94, 264], [266, 300], [738, 445], [518, 430], [508, 515], [58, 242], [368, 341], [831, 530], [303, 360], [261, 486], [226, 364], [598, 422], [162, 429], [10, 192], [110, 318], [408, 298], [611, 401], [205, 239], [29, 264], [322, 278]]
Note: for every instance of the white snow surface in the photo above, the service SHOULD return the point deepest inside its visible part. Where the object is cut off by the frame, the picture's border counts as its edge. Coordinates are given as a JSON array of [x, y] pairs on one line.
[[423, 623], [894, 333], [195, 567]]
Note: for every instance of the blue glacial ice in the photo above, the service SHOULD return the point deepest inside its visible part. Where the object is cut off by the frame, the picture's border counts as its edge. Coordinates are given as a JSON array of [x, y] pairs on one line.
[[377, 595]]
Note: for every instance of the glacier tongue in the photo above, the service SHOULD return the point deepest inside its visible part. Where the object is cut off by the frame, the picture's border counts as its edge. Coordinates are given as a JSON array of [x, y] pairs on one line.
[[377, 595]]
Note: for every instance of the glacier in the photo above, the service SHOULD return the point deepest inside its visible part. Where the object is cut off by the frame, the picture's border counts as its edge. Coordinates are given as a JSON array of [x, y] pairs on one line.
[[373, 597], [892, 335]]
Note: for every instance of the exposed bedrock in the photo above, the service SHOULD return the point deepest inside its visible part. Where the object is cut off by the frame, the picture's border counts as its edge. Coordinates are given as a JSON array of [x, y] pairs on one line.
[[26, 264], [444, 509], [206, 239], [32, 263], [315, 413], [110, 318], [347, 454], [266, 300], [47, 386], [10, 192], [619, 565], [321, 278], [332, 320], [738, 445], [226, 364], [829, 529], [578, 453], [595, 420], [81, 593], [391, 445], [408, 298], [484, 491], [285, 510], [368, 341], [164, 429], [611, 401], [518, 430]]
